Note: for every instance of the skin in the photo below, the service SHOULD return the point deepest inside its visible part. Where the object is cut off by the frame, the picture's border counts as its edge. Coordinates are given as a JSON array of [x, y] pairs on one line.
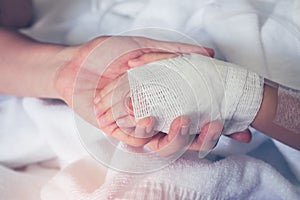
[[264, 119]]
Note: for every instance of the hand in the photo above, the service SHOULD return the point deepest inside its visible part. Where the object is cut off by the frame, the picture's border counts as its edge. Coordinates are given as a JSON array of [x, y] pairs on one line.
[[93, 65], [118, 120], [204, 142], [175, 139]]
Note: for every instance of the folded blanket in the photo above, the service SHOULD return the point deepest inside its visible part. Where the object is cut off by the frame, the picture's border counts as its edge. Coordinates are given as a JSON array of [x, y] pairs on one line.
[[24, 183], [186, 178]]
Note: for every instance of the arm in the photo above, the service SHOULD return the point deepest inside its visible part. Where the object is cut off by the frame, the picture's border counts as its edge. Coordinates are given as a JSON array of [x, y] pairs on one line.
[[264, 120], [28, 67]]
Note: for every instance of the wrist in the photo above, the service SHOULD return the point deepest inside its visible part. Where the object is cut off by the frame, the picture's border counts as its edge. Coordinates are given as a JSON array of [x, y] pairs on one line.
[[44, 68], [63, 73], [265, 115], [245, 98], [27, 66], [68, 62]]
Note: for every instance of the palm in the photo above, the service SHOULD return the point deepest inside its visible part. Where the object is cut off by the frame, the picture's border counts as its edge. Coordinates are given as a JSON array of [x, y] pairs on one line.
[[86, 73]]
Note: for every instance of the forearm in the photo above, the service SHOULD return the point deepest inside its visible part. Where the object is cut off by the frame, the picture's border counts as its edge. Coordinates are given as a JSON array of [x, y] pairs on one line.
[[27, 67], [264, 120]]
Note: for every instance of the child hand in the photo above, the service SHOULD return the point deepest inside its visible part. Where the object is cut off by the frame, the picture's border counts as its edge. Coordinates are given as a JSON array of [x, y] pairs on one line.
[[116, 118], [113, 110]]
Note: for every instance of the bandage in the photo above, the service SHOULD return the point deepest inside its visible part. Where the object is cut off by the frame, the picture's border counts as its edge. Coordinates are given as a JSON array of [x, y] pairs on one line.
[[287, 114], [203, 88]]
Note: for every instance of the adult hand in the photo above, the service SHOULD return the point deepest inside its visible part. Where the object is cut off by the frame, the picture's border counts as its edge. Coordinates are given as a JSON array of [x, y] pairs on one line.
[[93, 65]]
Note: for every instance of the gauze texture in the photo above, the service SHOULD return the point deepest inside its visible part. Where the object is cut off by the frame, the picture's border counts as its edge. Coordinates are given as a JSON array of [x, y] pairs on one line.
[[287, 114], [203, 88]]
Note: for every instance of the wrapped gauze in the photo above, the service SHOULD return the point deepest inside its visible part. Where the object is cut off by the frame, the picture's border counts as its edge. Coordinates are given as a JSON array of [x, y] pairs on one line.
[[203, 88]]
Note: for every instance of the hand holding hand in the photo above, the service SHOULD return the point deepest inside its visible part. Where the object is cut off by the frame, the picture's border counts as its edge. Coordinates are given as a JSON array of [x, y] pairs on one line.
[[118, 120], [97, 64], [177, 137]]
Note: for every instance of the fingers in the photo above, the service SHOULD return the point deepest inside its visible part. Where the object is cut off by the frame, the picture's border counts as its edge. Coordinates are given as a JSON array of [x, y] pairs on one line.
[[104, 90], [126, 121], [187, 48], [177, 47], [145, 128], [121, 81], [114, 93], [178, 138], [175, 140], [113, 106], [136, 136], [207, 139], [116, 114], [243, 136], [149, 57], [118, 121], [125, 135], [104, 104]]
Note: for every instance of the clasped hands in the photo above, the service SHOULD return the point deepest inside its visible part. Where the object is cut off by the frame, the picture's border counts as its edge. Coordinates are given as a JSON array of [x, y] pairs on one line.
[[92, 82]]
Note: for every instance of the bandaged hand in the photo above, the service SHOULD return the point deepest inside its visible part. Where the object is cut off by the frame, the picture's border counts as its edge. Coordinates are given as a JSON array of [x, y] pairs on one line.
[[123, 115], [203, 88]]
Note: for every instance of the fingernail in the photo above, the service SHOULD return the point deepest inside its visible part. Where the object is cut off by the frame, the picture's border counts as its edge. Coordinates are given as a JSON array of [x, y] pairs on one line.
[[184, 130]]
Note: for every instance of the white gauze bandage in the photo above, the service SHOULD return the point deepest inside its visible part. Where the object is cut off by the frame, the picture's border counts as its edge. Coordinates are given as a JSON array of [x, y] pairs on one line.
[[203, 88]]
